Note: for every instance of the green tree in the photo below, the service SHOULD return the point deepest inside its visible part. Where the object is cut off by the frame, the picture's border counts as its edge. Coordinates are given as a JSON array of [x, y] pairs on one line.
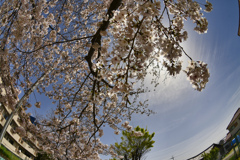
[[135, 144], [212, 155]]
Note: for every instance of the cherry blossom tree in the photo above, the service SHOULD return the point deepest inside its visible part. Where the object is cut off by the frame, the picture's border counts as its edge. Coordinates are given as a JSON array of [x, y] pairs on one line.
[[86, 56]]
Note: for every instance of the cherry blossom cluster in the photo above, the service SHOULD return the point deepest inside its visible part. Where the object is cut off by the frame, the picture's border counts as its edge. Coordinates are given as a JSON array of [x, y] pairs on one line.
[[198, 74], [127, 126]]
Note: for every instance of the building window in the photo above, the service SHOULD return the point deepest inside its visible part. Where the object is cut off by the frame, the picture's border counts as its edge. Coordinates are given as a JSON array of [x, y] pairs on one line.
[[13, 125], [27, 154], [5, 115], [24, 151], [9, 139], [28, 142], [234, 126]]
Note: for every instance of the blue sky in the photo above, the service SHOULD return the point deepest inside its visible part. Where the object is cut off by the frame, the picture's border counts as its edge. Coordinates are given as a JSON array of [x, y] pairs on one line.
[[188, 121]]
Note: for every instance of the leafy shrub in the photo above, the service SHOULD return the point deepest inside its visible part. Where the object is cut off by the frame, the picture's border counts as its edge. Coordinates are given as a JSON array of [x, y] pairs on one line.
[[212, 155]]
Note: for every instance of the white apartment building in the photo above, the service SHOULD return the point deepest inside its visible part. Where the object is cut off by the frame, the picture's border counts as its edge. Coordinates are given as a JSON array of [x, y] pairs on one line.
[[12, 141]]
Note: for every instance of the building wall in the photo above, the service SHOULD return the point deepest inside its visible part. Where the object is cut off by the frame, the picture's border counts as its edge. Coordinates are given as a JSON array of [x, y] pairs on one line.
[[12, 140], [235, 127]]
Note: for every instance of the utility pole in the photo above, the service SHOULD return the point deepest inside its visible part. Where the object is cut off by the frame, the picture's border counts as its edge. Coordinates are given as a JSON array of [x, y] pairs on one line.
[[239, 18]]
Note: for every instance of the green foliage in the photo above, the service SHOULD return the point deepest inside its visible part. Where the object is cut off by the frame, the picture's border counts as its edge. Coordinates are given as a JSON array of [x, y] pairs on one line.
[[7, 154], [212, 155], [43, 156], [134, 145], [234, 158]]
